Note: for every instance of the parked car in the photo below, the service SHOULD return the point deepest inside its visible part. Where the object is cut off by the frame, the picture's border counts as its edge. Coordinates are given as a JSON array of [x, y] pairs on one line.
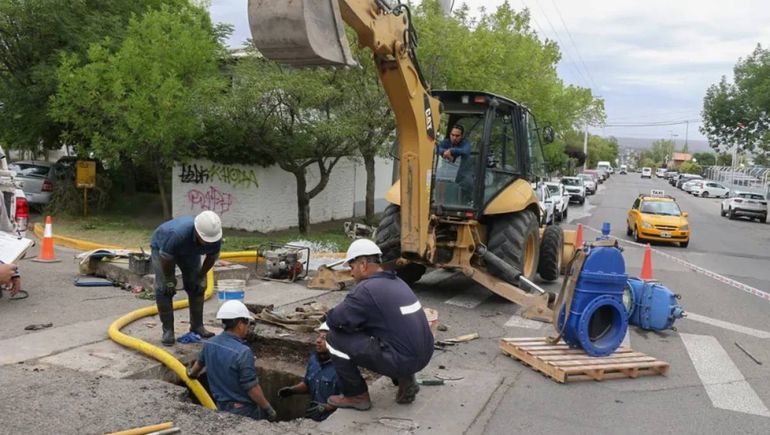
[[683, 178], [590, 182], [646, 172], [623, 170], [690, 185], [660, 172], [658, 218], [710, 188], [745, 204], [596, 174], [604, 166], [37, 179], [560, 198], [670, 175], [576, 188], [14, 210], [546, 203]]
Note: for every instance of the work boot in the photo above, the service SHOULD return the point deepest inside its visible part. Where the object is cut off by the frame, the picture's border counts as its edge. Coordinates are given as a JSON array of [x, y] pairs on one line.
[[360, 402], [407, 390], [166, 313], [196, 316]]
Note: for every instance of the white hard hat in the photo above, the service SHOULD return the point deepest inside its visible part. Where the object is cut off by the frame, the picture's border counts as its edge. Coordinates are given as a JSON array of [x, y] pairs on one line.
[[233, 310], [360, 248], [208, 226], [323, 327]]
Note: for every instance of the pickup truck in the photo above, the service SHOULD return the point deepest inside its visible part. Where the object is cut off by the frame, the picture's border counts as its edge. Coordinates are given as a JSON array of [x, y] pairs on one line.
[[14, 210]]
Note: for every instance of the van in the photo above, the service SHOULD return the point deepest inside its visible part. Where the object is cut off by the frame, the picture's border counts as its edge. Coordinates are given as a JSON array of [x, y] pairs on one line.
[[604, 166]]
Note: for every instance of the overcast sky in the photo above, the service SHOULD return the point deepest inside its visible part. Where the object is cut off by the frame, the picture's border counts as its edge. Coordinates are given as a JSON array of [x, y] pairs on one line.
[[651, 61]]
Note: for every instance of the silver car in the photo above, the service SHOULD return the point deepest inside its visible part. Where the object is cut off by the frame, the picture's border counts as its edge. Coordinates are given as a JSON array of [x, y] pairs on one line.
[[37, 179], [589, 182], [748, 204]]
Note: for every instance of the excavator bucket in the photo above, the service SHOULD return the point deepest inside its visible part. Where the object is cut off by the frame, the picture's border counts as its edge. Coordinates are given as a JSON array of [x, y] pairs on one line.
[[300, 32]]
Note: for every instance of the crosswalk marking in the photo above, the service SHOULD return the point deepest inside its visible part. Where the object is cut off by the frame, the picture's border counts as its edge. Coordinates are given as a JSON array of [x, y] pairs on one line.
[[469, 299], [727, 325], [723, 381]]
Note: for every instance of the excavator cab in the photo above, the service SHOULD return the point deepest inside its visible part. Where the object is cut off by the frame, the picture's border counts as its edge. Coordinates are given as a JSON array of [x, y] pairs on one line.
[[504, 147]]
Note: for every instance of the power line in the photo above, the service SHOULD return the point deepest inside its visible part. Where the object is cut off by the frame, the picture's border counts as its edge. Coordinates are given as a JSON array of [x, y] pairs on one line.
[[577, 51]]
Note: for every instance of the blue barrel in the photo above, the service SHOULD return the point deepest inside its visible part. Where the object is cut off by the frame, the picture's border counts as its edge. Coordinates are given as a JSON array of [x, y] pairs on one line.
[[655, 307], [598, 319]]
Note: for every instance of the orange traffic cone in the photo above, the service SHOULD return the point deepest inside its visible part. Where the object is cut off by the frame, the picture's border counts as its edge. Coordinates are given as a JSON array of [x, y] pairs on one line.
[[646, 273], [46, 251], [579, 237]]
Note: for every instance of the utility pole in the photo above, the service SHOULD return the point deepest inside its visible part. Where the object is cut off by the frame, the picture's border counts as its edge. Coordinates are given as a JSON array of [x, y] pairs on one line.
[[686, 133]]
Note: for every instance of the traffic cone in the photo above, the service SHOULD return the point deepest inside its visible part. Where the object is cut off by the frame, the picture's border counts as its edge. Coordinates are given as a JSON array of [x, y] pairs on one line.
[[646, 273], [46, 251], [579, 237]]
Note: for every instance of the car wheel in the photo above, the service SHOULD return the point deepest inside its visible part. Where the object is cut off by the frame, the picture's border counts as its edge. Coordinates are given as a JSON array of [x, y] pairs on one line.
[[722, 211], [636, 235], [764, 219], [582, 200], [731, 214], [684, 244], [628, 230], [564, 215], [704, 194]]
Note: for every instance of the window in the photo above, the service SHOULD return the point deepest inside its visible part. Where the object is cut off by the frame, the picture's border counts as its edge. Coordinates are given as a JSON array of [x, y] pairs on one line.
[[535, 149], [636, 203], [502, 159]]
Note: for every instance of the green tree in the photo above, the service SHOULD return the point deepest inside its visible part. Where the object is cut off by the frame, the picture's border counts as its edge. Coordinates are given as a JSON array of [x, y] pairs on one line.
[[33, 34], [690, 168], [144, 99], [724, 159], [705, 159]]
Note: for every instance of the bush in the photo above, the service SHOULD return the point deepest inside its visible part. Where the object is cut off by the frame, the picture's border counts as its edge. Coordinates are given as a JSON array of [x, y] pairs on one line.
[[690, 168], [68, 199]]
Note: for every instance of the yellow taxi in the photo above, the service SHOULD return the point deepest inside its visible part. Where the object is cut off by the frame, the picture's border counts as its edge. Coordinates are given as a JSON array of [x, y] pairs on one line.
[[658, 217]]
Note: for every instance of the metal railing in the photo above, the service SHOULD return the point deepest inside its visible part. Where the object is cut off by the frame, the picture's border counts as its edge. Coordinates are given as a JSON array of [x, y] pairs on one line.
[[755, 179]]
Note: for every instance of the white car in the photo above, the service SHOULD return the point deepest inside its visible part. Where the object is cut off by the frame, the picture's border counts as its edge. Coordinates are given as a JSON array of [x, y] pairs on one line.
[[589, 182], [14, 210], [576, 187], [660, 172], [560, 198], [710, 188], [646, 172], [748, 204], [546, 203], [690, 185]]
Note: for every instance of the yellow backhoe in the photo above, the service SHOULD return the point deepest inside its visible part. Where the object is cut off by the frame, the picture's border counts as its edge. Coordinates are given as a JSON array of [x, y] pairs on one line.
[[478, 214]]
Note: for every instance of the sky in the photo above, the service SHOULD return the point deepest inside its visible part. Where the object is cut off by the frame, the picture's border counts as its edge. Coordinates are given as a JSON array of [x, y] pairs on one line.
[[651, 61]]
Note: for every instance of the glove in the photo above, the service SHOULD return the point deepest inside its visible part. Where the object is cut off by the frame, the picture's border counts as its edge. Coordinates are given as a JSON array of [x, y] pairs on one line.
[[270, 414], [315, 410], [285, 392], [190, 373], [169, 287]]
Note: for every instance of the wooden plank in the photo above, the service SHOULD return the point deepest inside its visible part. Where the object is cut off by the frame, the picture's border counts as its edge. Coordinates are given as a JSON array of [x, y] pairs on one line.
[[585, 357]]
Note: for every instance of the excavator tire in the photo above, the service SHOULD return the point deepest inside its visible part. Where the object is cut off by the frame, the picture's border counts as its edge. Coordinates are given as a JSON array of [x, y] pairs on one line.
[[514, 237], [388, 238], [549, 266]]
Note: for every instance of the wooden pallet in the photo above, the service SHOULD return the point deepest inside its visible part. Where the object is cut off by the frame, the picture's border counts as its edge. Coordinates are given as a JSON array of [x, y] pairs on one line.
[[563, 364]]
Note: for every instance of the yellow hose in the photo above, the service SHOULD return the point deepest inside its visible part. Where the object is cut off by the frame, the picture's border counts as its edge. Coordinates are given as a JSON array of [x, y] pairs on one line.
[[144, 430], [161, 355]]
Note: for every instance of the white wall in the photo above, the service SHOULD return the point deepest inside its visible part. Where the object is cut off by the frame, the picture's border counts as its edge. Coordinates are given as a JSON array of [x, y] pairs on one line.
[[254, 198]]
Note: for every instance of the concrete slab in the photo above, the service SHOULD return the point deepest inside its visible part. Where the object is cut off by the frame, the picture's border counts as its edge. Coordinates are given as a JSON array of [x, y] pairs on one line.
[[117, 271], [278, 293], [449, 408], [105, 358], [53, 340]]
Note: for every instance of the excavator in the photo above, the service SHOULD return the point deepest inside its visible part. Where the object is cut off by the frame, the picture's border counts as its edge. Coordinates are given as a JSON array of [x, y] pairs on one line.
[[480, 215]]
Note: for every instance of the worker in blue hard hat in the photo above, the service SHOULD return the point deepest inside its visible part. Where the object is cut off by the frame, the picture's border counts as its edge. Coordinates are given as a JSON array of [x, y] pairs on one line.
[[231, 366], [380, 325], [181, 242], [320, 381]]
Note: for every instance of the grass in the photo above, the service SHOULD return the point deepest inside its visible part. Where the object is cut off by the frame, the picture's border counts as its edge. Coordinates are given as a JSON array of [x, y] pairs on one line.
[[131, 224]]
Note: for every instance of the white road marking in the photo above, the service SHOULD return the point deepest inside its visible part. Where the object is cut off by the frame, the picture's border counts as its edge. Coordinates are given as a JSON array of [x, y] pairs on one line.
[[516, 321], [468, 300], [724, 383], [727, 325]]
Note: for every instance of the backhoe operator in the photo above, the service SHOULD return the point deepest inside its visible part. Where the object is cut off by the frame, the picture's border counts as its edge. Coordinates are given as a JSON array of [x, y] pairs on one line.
[[455, 145]]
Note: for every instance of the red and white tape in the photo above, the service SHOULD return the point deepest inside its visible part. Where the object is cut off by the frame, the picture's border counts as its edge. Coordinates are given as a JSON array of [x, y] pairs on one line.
[[721, 278]]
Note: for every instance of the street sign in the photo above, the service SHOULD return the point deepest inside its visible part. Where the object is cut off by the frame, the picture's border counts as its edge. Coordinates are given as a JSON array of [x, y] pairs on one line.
[[85, 176]]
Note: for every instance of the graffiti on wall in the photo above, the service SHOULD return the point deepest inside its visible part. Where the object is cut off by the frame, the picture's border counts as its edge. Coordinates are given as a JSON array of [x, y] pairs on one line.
[[212, 199], [199, 174]]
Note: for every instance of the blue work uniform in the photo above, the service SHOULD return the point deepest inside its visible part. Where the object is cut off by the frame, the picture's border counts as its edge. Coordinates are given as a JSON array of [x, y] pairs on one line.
[[463, 149], [321, 381], [175, 240], [380, 325], [232, 372]]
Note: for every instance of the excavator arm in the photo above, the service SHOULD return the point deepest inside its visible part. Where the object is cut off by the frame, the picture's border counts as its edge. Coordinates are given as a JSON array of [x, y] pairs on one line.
[[311, 33]]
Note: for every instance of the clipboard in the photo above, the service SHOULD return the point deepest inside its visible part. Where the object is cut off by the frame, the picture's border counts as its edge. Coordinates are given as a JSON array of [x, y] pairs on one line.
[[13, 248]]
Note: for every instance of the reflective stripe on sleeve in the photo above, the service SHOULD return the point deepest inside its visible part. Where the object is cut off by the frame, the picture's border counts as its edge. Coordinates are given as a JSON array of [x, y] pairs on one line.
[[409, 309], [336, 352]]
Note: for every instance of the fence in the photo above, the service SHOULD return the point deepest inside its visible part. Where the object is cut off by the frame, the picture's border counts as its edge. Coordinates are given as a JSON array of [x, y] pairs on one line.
[[749, 179]]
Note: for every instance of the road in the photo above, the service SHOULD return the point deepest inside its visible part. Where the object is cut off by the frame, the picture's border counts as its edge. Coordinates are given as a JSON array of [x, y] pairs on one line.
[[712, 387]]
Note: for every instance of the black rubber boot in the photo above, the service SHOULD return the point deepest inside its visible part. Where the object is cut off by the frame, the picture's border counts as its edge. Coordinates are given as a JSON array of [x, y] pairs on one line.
[[196, 316], [407, 390], [166, 313]]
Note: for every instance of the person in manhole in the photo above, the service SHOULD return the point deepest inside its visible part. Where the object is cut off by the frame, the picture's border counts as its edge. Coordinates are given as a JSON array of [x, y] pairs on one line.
[[181, 242], [380, 325], [320, 380], [231, 366]]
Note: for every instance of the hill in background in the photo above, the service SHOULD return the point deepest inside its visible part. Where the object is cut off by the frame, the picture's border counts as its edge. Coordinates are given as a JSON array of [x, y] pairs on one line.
[[694, 146]]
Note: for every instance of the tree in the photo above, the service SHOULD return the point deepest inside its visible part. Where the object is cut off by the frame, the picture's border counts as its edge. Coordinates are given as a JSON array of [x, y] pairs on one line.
[[725, 159], [33, 34], [144, 99], [705, 159], [690, 168]]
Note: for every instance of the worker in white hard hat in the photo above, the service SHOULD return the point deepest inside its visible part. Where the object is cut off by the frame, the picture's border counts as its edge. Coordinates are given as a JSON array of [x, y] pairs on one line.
[[320, 381], [231, 366], [380, 325], [181, 242]]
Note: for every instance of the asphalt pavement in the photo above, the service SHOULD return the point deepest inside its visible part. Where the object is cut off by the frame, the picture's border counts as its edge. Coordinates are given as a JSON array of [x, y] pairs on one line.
[[713, 386]]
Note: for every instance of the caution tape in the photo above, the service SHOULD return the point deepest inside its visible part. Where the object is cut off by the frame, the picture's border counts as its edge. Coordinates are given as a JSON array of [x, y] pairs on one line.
[[721, 278]]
